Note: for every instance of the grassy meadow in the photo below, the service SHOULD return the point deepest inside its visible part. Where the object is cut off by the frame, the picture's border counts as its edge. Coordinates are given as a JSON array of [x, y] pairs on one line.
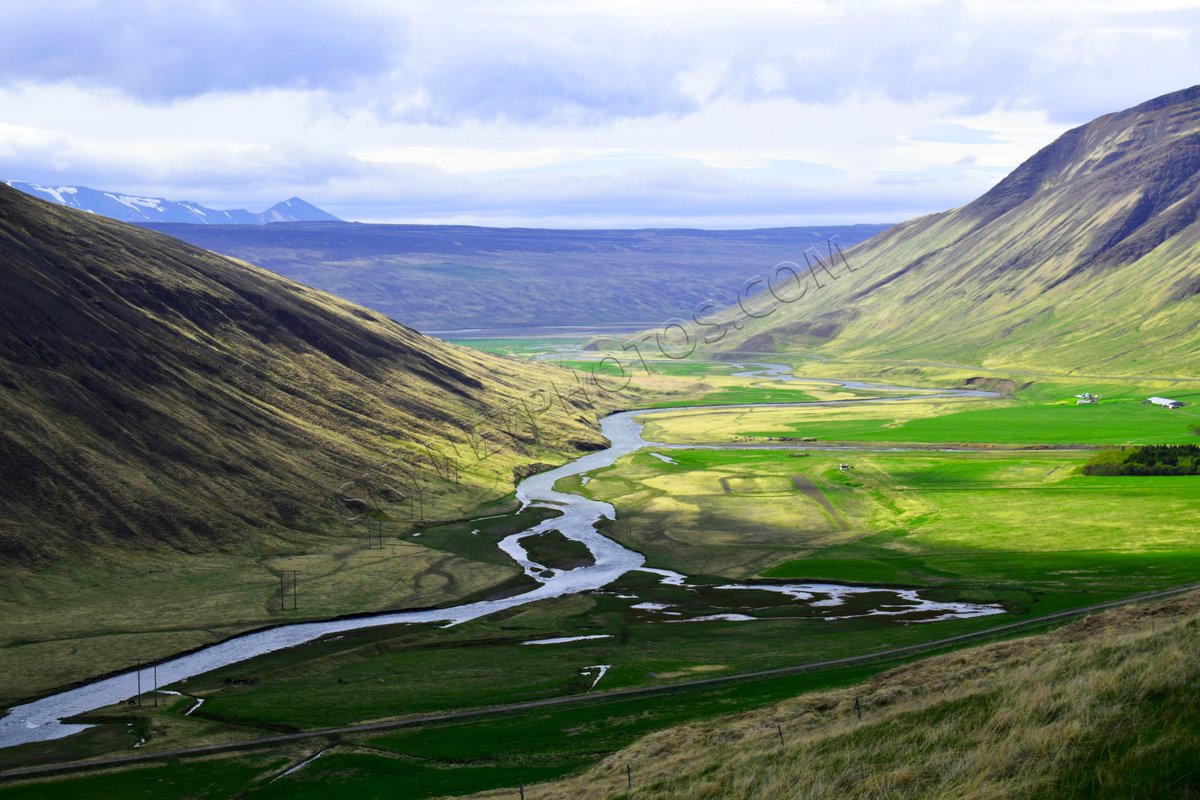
[[975, 521], [936, 421]]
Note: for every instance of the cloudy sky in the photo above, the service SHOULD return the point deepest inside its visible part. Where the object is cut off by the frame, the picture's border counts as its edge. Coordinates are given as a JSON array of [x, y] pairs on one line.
[[598, 113]]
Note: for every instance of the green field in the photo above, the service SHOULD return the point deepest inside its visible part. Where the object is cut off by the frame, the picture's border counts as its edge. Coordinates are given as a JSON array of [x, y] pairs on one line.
[[1004, 422], [523, 346], [444, 759], [976, 521]]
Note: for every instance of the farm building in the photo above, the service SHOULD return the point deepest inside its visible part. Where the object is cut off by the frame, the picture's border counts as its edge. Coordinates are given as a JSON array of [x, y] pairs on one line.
[[1086, 399], [1165, 402]]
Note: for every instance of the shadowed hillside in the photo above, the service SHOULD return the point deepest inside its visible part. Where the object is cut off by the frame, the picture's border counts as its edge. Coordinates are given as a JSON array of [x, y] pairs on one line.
[[1086, 257], [156, 395]]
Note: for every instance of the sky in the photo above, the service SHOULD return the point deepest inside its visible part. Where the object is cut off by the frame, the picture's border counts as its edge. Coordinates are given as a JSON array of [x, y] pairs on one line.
[[620, 113]]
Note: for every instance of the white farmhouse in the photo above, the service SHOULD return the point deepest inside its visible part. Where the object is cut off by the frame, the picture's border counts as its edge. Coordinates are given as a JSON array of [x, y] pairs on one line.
[[1165, 402]]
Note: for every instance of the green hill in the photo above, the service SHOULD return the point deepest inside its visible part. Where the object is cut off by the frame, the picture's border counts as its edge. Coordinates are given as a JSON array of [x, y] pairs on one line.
[[155, 394], [1086, 257]]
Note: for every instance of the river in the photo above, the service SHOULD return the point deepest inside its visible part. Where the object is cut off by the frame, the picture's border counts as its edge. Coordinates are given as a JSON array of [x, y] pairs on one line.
[[40, 719]]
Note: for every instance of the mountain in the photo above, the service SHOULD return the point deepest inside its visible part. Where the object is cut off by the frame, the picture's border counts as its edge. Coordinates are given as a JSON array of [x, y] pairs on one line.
[[132, 208], [439, 278], [293, 210], [155, 395], [1086, 257]]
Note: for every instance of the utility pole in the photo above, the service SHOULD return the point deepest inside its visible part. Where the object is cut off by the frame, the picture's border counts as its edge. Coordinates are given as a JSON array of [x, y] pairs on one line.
[[281, 590], [295, 584], [139, 683], [156, 685], [374, 532]]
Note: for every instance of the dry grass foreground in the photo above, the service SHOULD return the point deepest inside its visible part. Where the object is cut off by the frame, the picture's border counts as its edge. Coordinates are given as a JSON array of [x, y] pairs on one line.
[[1104, 707]]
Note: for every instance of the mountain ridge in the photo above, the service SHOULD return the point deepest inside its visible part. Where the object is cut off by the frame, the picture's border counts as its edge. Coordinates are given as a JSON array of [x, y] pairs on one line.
[[1085, 257], [136, 208], [156, 395]]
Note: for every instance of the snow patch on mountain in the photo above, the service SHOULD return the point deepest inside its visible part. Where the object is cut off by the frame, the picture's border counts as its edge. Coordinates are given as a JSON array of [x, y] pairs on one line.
[[135, 208]]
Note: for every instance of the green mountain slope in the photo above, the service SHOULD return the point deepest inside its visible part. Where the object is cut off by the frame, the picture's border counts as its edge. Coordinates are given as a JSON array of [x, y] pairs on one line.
[[157, 395], [1086, 257]]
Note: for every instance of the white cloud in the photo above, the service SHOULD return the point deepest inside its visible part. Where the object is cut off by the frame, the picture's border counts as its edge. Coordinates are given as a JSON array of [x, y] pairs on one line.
[[614, 112], [163, 51]]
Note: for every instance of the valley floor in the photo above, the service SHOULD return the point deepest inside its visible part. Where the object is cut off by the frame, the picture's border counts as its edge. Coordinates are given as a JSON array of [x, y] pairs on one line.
[[963, 500]]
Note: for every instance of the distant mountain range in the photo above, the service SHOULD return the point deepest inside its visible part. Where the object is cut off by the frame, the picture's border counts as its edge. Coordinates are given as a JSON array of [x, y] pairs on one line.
[[134, 208]]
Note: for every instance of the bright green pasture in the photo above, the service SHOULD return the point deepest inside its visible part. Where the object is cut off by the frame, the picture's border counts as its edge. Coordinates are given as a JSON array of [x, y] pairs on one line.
[[1001, 422], [1024, 521]]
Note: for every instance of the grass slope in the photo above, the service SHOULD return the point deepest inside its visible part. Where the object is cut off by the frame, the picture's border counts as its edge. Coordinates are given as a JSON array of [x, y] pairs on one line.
[[154, 392], [1084, 258], [1102, 708]]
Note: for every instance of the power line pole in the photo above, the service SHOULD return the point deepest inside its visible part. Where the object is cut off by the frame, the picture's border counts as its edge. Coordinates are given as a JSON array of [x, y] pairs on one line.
[[374, 531], [281, 590], [295, 584], [156, 685], [139, 683]]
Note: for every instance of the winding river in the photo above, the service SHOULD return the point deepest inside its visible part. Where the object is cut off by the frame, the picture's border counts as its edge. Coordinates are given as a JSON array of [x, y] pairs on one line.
[[40, 720]]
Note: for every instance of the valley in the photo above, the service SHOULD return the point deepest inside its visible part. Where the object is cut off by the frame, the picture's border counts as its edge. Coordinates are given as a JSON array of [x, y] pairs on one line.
[[909, 514], [974, 532]]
